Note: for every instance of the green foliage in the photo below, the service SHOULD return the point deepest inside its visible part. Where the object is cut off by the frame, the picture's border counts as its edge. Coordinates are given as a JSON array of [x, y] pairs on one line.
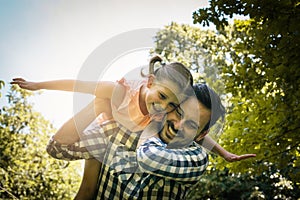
[[26, 170], [257, 61], [2, 84], [263, 77], [225, 185], [194, 48], [275, 13]]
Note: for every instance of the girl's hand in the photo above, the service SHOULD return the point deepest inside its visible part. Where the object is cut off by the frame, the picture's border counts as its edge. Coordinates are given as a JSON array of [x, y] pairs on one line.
[[230, 157], [25, 84]]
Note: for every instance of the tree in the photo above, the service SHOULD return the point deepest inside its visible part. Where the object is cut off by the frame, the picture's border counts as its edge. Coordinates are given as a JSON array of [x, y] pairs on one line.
[[194, 48], [263, 78], [26, 170], [224, 185]]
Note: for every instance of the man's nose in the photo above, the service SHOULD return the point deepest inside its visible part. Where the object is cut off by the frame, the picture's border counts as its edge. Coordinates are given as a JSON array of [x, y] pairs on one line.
[[178, 124]]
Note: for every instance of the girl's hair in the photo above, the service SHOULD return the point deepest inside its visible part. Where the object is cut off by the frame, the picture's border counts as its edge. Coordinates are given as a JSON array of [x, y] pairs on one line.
[[174, 72], [211, 100]]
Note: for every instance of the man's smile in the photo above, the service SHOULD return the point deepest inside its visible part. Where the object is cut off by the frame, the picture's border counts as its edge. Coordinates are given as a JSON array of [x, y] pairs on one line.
[[170, 132]]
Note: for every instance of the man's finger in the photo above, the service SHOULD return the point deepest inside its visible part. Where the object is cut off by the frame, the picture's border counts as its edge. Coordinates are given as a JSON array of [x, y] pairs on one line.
[[246, 156]]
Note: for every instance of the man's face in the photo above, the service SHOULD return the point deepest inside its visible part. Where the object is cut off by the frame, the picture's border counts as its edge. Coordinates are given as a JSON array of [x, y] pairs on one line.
[[184, 123]]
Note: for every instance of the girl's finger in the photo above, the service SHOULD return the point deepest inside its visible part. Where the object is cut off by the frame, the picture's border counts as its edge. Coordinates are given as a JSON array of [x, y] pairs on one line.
[[18, 79], [16, 82]]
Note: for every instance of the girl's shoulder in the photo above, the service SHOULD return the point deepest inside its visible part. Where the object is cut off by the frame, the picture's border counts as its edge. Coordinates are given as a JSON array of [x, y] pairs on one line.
[[130, 87], [126, 89]]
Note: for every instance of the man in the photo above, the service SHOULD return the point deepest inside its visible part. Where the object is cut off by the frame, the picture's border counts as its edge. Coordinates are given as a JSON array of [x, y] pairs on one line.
[[152, 170]]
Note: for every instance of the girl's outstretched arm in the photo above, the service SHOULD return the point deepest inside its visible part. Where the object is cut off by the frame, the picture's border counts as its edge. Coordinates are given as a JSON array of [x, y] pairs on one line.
[[101, 89], [64, 85], [212, 145]]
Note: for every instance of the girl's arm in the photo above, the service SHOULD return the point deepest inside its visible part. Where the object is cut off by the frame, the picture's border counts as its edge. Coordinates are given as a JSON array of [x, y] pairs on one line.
[[64, 85], [71, 130], [209, 143], [101, 89]]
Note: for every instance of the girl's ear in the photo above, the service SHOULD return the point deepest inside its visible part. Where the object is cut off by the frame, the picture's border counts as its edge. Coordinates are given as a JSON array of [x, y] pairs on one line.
[[151, 78]]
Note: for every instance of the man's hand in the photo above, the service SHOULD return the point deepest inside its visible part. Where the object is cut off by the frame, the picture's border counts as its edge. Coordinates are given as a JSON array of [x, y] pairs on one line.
[[230, 157]]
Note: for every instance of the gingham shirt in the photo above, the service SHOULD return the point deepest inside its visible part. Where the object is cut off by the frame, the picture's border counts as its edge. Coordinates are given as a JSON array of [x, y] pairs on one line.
[[149, 172]]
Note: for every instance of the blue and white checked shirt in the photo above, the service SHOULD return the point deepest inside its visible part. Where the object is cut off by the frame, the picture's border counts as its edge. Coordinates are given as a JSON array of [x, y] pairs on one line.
[[149, 172]]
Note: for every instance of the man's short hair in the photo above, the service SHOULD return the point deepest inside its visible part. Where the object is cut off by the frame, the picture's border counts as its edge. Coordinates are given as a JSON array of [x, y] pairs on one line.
[[211, 100]]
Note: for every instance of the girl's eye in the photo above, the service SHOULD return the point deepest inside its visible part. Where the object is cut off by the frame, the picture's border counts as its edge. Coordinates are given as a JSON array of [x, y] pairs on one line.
[[162, 96]]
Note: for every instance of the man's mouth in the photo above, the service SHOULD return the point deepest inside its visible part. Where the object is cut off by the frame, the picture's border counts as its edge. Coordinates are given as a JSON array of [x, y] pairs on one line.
[[171, 133]]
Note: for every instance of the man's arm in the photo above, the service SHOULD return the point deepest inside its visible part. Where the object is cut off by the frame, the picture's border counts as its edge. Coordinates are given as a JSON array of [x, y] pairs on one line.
[[186, 164], [88, 187], [212, 145], [92, 145], [67, 152]]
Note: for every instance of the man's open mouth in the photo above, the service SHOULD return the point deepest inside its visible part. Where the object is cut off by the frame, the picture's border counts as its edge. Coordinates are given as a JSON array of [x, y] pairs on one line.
[[171, 132]]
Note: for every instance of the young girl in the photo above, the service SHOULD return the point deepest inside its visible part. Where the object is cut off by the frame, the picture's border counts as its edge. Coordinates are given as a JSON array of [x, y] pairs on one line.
[[133, 104], [138, 100]]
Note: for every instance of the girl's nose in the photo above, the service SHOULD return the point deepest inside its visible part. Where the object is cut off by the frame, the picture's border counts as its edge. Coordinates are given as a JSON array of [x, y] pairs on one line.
[[164, 106], [159, 107]]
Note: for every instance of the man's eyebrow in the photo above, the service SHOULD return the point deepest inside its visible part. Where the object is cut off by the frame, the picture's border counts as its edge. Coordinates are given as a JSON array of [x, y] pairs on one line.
[[179, 109]]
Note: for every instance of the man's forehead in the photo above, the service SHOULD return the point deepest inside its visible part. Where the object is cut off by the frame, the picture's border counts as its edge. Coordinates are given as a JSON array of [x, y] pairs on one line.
[[188, 103], [190, 107], [172, 90]]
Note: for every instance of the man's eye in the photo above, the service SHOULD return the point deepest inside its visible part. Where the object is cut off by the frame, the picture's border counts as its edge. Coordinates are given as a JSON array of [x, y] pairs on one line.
[[172, 106], [192, 125], [179, 112]]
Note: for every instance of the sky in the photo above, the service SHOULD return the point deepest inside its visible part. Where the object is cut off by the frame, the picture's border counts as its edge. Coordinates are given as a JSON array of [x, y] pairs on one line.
[[52, 39]]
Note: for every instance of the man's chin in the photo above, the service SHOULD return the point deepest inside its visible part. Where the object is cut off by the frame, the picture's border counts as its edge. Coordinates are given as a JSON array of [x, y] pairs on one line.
[[163, 138], [178, 145], [173, 146]]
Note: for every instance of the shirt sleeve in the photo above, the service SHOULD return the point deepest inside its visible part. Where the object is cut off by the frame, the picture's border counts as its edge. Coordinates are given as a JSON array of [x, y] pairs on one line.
[[92, 145], [67, 152], [185, 165]]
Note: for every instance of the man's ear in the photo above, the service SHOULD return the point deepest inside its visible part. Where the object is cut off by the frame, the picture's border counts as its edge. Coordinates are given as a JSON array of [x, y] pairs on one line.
[[201, 135], [151, 78]]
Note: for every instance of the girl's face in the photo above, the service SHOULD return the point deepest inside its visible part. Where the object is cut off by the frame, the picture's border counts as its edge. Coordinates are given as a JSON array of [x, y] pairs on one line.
[[162, 96]]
